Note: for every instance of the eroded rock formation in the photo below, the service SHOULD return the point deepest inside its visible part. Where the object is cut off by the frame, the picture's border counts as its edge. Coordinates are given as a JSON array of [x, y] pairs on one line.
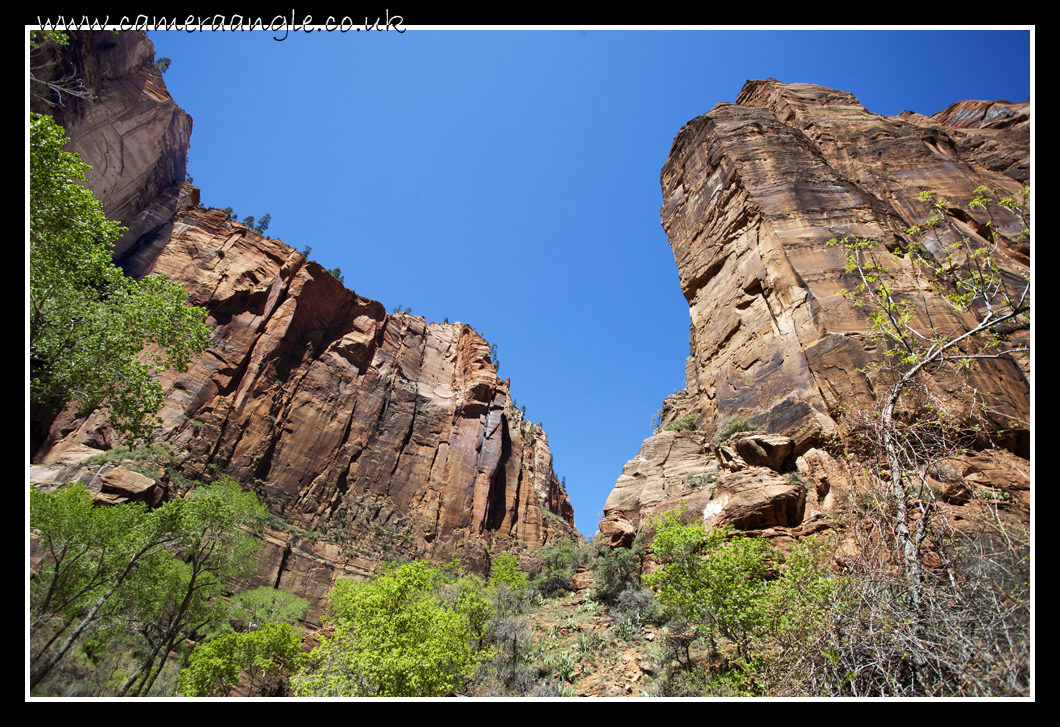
[[369, 436], [106, 91], [753, 191]]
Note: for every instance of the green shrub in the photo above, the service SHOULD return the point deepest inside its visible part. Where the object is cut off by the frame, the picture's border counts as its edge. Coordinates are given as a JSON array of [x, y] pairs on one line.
[[641, 603], [616, 571], [558, 565], [734, 425], [718, 583], [506, 571], [394, 636], [689, 422]]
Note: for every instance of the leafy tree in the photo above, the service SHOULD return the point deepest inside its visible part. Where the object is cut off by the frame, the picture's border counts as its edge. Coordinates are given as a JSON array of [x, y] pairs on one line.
[[506, 570], [984, 298], [37, 38], [392, 636], [494, 358], [88, 322], [558, 564], [269, 605], [162, 64], [337, 273], [215, 667], [157, 571], [617, 570], [88, 555], [266, 647], [214, 542], [715, 581]]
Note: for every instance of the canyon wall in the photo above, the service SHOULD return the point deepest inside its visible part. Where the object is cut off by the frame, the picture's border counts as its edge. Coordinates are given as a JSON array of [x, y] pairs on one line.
[[752, 193], [106, 91], [369, 436]]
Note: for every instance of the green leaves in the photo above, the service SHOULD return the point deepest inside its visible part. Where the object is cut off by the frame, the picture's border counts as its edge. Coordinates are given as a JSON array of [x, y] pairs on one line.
[[156, 570], [88, 322], [215, 667], [739, 587], [506, 571], [394, 637], [269, 605]]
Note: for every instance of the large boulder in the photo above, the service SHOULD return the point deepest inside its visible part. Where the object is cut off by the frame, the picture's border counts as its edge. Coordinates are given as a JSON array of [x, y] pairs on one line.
[[755, 499]]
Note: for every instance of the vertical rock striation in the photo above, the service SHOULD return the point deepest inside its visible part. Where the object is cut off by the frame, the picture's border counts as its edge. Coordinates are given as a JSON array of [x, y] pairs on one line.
[[752, 193], [106, 91], [368, 436]]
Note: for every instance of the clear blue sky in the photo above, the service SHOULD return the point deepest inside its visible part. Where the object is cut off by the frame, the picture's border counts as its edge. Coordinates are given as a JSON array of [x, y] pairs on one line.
[[510, 180]]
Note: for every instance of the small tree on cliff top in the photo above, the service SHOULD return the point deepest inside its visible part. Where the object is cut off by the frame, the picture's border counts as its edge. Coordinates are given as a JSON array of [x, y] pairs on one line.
[[966, 273]]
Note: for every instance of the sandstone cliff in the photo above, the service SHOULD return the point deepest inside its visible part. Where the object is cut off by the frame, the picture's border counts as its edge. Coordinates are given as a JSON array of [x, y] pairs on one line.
[[106, 91], [752, 193], [369, 436]]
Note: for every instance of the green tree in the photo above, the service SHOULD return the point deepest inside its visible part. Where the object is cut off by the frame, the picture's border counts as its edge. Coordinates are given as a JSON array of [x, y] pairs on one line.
[[983, 297], [269, 605], [494, 358], [157, 572], [556, 565], [162, 64], [216, 666], [89, 324], [267, 646], [617, 570], [89, 555], [391, 637], [506, 570], [215, 542], [711, 578]]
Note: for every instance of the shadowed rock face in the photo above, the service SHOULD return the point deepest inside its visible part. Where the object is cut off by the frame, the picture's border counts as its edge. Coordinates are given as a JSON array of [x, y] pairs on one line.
[[379, 435], [753, 191], [126, 126]]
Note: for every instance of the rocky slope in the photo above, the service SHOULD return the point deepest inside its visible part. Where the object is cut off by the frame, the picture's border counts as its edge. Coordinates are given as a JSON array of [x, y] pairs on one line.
[[369, 436], [753, 191]]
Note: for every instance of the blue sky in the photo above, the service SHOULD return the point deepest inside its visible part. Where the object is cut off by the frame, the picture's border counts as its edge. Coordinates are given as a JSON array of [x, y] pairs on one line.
[[510, 180]]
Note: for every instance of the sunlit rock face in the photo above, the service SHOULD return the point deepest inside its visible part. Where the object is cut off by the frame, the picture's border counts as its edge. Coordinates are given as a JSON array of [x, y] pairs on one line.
[[374, 436], [753, 192], [106, 91], [368, 436]]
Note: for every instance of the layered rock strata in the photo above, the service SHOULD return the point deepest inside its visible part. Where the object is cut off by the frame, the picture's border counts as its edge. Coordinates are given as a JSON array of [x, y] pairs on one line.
[[368, 436], [106, 91], [753, 192], [382, 435]]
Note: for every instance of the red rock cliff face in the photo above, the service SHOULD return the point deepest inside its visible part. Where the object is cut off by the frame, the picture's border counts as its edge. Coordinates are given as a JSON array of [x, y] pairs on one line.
[[369, 436], [752, 193], [125, 125]]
